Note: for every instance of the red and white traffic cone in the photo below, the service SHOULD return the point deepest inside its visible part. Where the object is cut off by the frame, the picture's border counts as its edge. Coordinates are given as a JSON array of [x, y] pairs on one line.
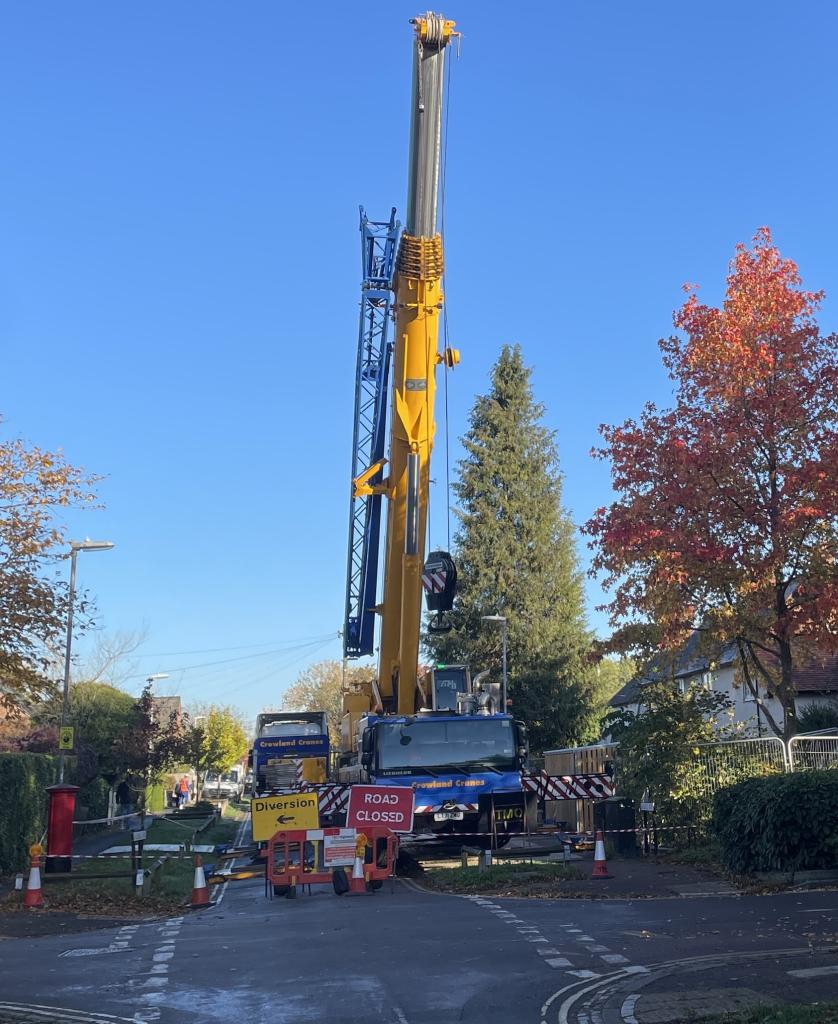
[[356, 881], [34, 897], [200, 890], [600, 866]]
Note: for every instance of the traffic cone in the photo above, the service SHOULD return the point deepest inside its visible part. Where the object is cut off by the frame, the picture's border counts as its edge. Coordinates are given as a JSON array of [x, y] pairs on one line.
[[200, 891], [34, 897], [356, 882], [600, 867]]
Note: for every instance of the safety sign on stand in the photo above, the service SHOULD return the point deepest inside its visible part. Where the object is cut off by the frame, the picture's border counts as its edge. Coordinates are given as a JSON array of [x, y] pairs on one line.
[[272, 814], [391, 806], [339, 850], [65, 737]]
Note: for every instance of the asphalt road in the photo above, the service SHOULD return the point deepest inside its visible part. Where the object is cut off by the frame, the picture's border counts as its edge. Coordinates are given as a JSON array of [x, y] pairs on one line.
[[407, 957]]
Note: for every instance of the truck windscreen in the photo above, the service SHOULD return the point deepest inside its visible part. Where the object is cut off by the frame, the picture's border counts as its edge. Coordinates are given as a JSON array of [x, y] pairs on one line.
[[431, 742]]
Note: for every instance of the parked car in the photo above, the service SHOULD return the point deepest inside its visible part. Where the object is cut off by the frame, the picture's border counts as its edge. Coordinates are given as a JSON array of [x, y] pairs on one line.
[[226, 786]]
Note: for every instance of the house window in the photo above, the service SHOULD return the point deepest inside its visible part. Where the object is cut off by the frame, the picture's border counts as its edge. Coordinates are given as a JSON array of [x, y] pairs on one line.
[[707, 679], [682, 686]]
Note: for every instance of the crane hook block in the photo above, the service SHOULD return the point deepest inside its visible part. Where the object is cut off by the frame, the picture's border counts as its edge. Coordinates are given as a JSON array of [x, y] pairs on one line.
[[439, 580]]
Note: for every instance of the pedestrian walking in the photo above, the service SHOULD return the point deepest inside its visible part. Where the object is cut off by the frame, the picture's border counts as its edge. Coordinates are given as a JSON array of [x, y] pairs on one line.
[[183, 791]]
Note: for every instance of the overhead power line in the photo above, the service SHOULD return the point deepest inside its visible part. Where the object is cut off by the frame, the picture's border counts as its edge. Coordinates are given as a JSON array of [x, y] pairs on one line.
[[316, 642]]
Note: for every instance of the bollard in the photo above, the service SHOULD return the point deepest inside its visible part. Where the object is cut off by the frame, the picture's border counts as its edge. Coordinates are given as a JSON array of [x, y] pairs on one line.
[[463, 859]]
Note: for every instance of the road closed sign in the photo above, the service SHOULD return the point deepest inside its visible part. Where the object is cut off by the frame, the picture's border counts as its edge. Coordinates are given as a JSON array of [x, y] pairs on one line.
[[272, 814], [391, 806]]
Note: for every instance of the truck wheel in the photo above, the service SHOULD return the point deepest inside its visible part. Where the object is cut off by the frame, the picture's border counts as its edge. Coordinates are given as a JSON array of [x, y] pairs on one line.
[[281, 890]]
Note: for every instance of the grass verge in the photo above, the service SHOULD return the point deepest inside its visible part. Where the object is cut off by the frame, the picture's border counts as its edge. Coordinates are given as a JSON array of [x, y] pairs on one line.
[[115, 896], [503, 879]]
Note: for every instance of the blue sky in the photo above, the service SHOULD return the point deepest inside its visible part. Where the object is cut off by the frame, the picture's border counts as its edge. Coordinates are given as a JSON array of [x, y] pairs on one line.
[[179, 261]]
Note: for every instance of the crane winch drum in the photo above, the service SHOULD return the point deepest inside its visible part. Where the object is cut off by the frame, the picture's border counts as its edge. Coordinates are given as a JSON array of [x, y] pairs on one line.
[[439, 581]]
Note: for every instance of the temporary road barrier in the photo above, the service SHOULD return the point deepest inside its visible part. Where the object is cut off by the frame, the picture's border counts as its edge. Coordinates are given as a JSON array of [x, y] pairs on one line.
[[311, 856]]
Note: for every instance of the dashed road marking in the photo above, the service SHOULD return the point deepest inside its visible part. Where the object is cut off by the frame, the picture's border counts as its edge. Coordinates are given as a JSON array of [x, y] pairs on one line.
[[585, 974], [614, 958]]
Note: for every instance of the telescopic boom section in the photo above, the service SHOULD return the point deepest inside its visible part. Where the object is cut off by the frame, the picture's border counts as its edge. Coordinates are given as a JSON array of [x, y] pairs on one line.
[[415, 357]]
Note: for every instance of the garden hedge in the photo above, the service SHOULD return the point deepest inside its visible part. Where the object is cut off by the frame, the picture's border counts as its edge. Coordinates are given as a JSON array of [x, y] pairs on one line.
[[23, 780], [779, 823]]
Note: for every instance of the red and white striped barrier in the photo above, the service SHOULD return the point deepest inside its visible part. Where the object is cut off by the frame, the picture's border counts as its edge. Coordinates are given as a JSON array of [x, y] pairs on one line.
[[568, 787]]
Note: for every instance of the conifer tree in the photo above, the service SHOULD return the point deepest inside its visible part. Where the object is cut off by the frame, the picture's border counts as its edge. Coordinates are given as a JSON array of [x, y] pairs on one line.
[[516, 556]]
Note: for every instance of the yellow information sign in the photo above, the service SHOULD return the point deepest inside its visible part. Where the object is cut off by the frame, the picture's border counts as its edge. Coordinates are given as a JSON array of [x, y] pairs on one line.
[[65, 737], [272, 814]]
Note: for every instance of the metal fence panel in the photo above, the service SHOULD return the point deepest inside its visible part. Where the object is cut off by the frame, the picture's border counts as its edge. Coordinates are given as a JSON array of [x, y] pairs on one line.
[[813, 752], [729, 761]]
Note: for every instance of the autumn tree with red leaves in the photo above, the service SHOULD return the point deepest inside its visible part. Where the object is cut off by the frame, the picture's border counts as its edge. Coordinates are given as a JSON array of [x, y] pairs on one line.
[[725, 519]]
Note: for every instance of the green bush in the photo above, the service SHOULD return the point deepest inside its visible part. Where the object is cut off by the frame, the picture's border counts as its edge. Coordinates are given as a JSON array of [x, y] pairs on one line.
[[94, 797], [23, 781], [779, 823]]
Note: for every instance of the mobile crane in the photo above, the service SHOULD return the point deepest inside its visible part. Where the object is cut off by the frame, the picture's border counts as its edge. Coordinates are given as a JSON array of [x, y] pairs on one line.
[[445, 736]]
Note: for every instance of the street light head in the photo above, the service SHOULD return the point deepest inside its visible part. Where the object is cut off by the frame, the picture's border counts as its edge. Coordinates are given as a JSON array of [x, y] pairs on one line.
[[91, 545], [156, 676]]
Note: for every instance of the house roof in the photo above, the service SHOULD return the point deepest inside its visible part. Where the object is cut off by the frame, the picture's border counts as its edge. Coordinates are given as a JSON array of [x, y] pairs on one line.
[[686, 662], [819, 676]]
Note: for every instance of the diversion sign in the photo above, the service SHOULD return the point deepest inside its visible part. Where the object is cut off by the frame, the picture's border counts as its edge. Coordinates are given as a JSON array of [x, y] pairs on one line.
[[292, 746], [272, 814]]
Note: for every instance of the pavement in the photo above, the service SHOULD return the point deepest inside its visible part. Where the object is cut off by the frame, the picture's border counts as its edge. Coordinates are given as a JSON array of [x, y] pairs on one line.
[[404, 956]]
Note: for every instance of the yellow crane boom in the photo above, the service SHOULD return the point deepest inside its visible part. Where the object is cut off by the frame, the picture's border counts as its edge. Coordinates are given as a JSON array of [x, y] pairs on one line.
[[416, 354]]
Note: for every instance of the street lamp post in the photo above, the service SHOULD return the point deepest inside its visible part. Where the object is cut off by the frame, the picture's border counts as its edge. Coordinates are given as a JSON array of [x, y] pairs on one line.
[[505, 632], [75, 547]]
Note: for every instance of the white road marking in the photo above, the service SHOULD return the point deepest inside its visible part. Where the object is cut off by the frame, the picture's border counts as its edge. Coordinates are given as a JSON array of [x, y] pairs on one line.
[[585, 974], [549, 952], [400, 1015], [558, 961], [627, 1009], [237, 841], [814, 972], [614, 958]]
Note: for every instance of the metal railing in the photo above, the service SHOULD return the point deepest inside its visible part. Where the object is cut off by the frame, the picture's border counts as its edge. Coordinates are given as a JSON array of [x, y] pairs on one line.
[[807, 753]]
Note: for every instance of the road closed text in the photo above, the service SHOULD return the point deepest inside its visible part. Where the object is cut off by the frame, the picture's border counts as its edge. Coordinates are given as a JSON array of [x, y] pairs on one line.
[[390, 806]]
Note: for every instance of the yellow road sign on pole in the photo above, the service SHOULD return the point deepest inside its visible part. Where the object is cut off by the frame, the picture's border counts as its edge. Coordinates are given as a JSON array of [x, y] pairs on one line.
[[272, 814], [65, 737]]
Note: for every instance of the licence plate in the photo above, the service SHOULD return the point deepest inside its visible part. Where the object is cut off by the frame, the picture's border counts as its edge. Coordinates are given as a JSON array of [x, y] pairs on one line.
[[448, 816]]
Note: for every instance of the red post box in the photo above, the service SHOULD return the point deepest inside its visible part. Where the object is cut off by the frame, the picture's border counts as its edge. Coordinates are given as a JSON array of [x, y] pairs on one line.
[[62, 806]]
